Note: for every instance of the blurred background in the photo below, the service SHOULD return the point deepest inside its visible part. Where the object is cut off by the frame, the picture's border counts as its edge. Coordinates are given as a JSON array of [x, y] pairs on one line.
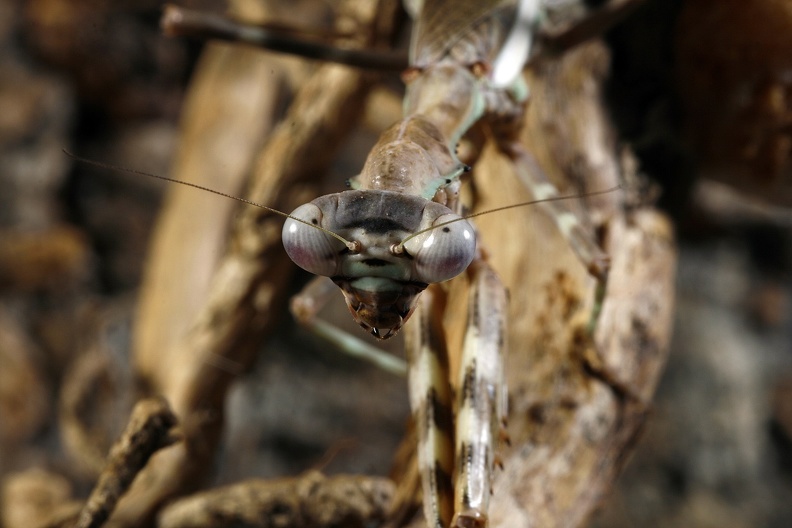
[[701, 90]]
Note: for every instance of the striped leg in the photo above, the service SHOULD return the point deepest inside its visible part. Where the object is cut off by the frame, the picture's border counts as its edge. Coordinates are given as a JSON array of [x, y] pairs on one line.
[[481, 398], [430, 400], [535, 180]]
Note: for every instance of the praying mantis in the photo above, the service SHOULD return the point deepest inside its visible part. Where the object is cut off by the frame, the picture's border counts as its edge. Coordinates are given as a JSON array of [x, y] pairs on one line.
[[456, 84]]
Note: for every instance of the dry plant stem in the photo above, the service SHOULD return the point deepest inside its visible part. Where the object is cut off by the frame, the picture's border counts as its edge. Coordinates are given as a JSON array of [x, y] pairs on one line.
[[308, 501], [228, 111], [149, 430], [182, 22], [178, 21], [248, 287], [248, 282]]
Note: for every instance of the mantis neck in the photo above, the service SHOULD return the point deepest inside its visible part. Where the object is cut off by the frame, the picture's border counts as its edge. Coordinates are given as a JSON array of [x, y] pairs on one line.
[[416, 155]]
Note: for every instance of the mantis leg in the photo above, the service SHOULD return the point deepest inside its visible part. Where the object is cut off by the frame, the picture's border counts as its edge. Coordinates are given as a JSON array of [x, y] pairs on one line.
[[582, 241], [430, 400], [481, 397], [305, 307]]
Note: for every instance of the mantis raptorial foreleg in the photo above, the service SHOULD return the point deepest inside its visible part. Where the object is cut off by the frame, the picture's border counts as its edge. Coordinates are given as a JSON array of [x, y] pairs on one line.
[[481, 395], [505, 115], [431, 403], [581, 240], [456, 457]]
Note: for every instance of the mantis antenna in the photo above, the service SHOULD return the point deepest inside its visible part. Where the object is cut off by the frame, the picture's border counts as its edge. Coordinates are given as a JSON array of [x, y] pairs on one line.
[[400, 247], [354, 247]]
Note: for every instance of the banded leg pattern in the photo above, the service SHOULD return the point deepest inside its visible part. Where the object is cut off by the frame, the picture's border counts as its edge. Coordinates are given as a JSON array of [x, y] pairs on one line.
[[581, 240], [430, 400], [481, 398]]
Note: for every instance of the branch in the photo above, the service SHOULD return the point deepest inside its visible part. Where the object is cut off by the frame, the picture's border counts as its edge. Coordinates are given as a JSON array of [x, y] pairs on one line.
[[181, 22]]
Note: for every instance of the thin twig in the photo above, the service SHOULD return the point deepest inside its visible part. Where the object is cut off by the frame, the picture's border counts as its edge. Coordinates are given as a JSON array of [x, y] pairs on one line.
[[310, 500], [149, 430], [250, 283], [180, 22]]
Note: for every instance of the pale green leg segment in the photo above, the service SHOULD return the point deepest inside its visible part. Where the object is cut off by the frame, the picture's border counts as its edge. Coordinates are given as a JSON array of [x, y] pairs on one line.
[[581, 240], [306, 305]]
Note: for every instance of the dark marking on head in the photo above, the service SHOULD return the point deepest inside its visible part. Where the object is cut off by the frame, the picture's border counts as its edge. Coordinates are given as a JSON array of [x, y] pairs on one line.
[[375, 262], [379, 225]]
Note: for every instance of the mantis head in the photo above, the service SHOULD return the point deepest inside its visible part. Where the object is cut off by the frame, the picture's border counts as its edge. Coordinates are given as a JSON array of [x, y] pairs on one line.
[[381, 248]]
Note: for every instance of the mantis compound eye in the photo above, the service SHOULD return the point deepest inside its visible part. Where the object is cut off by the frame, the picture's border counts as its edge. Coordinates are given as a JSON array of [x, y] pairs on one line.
[[443, 253], [311, 248]]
